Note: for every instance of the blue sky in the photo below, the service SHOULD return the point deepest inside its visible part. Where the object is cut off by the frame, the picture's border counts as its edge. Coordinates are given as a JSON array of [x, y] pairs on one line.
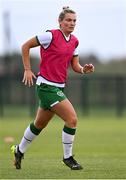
[[101, 24]]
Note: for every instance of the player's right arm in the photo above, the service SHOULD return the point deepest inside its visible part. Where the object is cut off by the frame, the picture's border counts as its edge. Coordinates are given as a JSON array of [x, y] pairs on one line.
[[43, 40], [28, 74]]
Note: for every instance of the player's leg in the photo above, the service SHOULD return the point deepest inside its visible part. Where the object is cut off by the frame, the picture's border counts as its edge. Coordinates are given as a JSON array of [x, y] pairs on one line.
[[65, 111], [31, 132], [34, 129]]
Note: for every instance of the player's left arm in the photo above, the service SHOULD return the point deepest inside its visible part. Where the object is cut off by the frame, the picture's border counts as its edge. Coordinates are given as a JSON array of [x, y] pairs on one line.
[[87, 68]]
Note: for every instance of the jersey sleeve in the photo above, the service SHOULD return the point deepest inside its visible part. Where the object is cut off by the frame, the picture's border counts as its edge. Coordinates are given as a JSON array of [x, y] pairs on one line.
[[44, 39], [75, 52]]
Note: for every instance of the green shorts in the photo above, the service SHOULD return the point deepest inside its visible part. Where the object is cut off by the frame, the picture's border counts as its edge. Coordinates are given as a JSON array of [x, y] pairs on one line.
[[49, 95]]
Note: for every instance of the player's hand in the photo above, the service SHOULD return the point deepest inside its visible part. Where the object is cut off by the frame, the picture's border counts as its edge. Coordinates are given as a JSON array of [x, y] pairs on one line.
[[28, 77], [88, 68]]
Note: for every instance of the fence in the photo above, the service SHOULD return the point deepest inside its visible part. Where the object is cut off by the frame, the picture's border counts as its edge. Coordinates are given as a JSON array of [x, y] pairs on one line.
[[94, 91], [87, 92]]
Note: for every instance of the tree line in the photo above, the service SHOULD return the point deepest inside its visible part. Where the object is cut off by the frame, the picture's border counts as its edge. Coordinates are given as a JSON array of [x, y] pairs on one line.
[[12, 64]]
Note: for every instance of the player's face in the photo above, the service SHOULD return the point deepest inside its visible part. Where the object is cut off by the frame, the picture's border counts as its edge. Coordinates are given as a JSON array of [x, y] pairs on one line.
[[67, 25]]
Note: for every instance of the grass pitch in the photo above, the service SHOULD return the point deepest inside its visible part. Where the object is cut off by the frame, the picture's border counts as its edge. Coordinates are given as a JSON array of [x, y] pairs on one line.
[[100, 146]]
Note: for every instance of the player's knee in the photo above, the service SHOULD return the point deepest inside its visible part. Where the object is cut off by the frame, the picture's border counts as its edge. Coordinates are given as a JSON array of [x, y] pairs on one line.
[[40, 124], [73, 122]]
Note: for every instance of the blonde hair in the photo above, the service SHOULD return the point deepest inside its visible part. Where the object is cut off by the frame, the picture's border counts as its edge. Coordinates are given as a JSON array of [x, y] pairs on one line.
[[64, 11]]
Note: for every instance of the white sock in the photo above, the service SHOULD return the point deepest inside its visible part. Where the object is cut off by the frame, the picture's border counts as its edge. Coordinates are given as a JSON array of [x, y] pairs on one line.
[[26, 140], [67, 140]]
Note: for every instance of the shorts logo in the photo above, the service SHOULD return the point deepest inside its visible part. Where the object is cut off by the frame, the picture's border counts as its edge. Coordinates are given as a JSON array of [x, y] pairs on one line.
[[60, 93]]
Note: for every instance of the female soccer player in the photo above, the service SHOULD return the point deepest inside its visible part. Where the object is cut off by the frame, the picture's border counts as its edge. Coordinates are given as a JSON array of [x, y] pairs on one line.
[[58, 49]]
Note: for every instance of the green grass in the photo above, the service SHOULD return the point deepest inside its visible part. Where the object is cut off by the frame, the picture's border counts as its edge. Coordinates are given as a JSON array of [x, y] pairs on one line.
[[100, 146]]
